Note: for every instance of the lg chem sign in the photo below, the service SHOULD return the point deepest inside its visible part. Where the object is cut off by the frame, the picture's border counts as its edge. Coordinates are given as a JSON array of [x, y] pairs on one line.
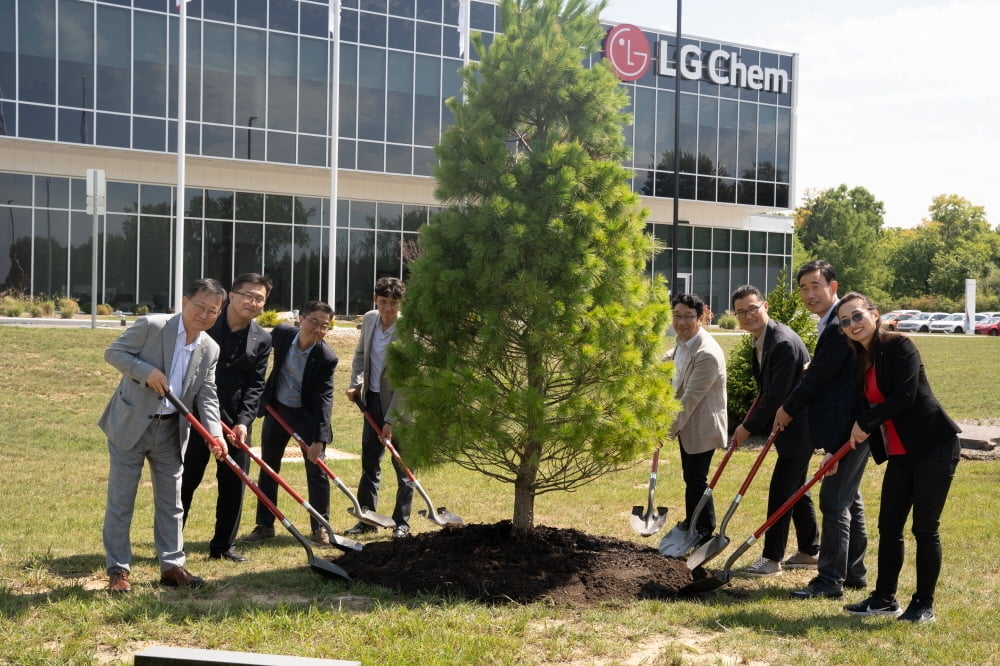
[[628, 52]]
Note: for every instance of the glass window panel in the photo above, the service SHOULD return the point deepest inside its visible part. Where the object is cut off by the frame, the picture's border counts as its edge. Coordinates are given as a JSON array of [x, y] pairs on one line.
[[702, 238], [747, 160], [217, 77], [706, 188], [156, 199], [217, 252], [8, 60], [282, 82], [765, 194], [37, 57], [307, 210], [313, 85], [739, 270], [78, 193], [371, 94], [741, 240], [728, 138], [278, 208], [371, 156], [429, 10], [278, 264], [75, 126], [149, 92], [114, 59], [252, 12], [388, 258], [361, 269], [219, 204], [248, 248], [251, 84], [400, 99], [122, 197], [216, 141], [362, 214], [194, 202], [308, 258], [665, 129], [81, 237], [428, 38], [721, 286], [250, 143], [426, 101], [401, 8], [346, 154], [451, 86], [390, 216], [644, 127], [689, 135], [113, 130], [315, 19], [76, 54], [51, 192], [221, 10], [193, 250], [121, 236], [15, 248], [348, 90], [774, 267], [720, 239], [281, 147], [372, 29], [154, 262], [401, 32], [775, 243], [766, 143], [708, 142], [348, 25], [249, 206], [414, 217], [758, 242], [312, 150], [285, 15], [758, 271], [423, 161], [783, 153], [781, 196], [726, 190], [398, 159], [51, 248], [746, 192], [700, 282], [148, 134]]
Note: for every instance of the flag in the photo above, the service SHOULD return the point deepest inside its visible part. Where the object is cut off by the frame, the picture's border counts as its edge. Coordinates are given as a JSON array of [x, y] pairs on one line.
[[463, 25]]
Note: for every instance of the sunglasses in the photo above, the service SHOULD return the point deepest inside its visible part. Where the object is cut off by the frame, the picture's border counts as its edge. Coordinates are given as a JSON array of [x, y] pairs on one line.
[[856, 318]]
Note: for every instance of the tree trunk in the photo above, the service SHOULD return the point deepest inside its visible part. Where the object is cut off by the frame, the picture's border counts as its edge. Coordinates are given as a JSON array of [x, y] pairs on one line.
[[524, 489]]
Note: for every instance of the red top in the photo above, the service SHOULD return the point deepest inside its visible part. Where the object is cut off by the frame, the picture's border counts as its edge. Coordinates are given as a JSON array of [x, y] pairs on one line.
[[893, 444]]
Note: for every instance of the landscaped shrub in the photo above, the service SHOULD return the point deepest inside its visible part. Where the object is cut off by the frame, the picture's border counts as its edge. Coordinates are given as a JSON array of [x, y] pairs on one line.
[[142, 310], [269, 318], [68, 307], [11, 307], [728, 320], [46, 308], [104, 309]]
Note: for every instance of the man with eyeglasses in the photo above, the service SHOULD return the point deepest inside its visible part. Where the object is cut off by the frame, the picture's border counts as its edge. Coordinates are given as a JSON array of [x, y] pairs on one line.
[[826, 394], [157, 353], [300, 388], [244, 347], [779, 359]]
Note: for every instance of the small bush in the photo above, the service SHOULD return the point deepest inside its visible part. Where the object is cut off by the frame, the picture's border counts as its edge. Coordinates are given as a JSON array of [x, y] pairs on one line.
[[68, 307], [269, 318], [46, 308], [104, 309], [728, 320], [142, 310], [35, 310], [11, 307]]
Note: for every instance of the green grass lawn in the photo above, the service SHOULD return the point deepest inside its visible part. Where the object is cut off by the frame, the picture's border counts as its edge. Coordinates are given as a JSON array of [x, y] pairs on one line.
[[54, 610]]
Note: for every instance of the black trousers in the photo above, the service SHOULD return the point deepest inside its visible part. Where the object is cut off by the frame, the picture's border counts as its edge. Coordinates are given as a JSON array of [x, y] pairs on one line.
[[920, 482], [372, 452], [789, 475], [694, 467], [229, 503]]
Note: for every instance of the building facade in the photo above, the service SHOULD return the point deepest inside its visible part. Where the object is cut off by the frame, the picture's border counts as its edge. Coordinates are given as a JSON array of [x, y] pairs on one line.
[[92, 84]]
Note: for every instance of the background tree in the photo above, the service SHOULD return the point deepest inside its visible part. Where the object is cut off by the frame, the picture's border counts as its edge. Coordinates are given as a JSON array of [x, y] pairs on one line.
[[530, 342], [844, 226]]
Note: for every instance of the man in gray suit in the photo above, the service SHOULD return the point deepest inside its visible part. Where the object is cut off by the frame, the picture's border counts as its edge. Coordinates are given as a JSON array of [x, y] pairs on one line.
[[369, 381], [156, 353]]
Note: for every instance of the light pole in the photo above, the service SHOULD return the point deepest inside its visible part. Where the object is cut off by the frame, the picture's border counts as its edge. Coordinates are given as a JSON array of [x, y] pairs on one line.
[[250, 134]]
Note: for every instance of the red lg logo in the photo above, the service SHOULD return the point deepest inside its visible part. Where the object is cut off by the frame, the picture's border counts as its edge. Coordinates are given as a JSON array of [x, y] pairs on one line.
[[627, 51]]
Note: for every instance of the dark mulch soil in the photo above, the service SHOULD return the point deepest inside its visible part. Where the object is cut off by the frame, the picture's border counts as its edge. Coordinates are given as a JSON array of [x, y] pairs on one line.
[[488, 563]]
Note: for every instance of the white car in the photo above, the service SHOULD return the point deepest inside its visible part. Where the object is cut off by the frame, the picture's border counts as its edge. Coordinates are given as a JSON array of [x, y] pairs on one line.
[[920, 323], [953, 323]]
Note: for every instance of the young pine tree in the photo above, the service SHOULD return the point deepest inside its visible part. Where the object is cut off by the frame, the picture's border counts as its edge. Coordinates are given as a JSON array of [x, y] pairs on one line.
[[530, 342]]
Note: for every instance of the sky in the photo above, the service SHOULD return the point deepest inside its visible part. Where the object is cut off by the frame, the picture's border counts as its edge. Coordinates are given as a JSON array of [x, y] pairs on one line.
[[901, 97]]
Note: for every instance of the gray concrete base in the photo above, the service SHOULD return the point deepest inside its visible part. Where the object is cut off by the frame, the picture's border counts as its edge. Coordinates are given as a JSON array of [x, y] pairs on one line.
[[160, 655]]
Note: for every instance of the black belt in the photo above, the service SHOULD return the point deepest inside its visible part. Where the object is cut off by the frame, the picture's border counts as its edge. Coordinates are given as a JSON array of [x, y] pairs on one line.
[[163, 416]]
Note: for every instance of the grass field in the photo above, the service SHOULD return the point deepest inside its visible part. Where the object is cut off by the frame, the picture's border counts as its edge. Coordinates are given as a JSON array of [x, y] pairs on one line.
[[54, 610]]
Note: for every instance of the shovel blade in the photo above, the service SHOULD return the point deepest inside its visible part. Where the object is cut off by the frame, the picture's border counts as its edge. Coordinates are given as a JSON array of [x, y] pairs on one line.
[[344, 543], [706, 584], [679, 541], [441, 516], [328, 569], [369, 517], [707, 551], [645, 522]]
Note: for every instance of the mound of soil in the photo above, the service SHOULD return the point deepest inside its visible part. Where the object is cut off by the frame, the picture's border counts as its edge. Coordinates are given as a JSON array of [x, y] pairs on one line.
[[489, 563]]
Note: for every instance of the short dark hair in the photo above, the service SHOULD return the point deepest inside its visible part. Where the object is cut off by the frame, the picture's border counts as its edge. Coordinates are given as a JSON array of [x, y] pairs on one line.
[[390, 287], [743, 292], [825, 268], [209, 285], [252, 278], [316, 306], [693, 301]]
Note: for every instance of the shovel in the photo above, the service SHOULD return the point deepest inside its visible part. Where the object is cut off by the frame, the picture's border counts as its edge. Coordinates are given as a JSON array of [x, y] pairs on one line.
[[364, 515], [322, 567], [440, 516], [724, 576], [340, 542], [718, 543], [644, 520]]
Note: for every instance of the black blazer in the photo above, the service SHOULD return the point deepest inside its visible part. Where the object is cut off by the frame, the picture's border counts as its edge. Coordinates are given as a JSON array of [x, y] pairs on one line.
[[827, 389], [920, 421], [783, 362], [317, 382], [240, 383]]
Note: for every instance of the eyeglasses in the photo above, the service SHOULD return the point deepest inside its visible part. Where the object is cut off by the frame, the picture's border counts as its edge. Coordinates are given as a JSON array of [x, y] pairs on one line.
[[856, 317], [686, 317], [751, 310], [256, 299], [205, 310], [323, 326]]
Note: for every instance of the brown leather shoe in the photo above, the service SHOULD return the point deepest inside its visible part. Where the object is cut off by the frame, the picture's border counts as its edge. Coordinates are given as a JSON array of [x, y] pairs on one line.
[[118, 582], [180, 577]]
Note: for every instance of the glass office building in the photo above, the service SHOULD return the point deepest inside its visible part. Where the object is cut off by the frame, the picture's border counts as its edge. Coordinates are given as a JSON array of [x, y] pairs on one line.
[[93, 84]]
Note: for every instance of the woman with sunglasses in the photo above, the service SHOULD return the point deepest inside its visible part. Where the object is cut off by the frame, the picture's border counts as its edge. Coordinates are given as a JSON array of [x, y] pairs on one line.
[[906, 425]]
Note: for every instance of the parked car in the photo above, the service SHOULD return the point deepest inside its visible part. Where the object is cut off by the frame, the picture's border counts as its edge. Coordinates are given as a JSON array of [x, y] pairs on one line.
[[892, 319], [953, 323], [920, 323], [989, 327]]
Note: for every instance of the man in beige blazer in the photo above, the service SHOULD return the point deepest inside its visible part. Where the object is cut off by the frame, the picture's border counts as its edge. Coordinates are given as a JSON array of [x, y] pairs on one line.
[[700, 385]]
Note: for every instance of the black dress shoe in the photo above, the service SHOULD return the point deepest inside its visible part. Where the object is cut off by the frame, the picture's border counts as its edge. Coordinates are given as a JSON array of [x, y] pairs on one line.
[[180, 577], [229, 554], [360, 528]]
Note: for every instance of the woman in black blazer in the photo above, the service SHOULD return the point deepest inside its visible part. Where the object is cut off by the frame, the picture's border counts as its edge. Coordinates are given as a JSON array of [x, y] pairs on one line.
[[906, 425]]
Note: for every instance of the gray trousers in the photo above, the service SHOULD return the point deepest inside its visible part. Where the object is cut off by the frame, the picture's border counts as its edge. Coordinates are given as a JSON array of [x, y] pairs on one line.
[[843, 538], [158, 445]]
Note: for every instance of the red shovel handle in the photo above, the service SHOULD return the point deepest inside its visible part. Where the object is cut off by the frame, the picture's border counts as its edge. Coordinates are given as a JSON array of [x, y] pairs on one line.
[[757, 463], [732, 447], [385, 442], [298, 438], [263, 465]]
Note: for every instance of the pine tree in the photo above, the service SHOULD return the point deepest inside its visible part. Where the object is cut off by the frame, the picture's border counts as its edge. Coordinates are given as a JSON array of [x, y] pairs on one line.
[[530, 345]]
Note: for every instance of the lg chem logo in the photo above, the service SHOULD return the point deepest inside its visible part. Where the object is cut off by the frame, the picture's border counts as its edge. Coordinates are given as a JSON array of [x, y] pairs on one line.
[[627, 51]]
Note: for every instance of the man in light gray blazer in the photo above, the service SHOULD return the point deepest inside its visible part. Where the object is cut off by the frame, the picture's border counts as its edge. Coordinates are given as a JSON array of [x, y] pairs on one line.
[[700, 385], [156, 353], [370, 382]]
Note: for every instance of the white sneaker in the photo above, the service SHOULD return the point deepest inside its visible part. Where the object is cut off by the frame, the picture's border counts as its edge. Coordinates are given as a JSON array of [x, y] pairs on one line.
[[763, 567], [800, 560]]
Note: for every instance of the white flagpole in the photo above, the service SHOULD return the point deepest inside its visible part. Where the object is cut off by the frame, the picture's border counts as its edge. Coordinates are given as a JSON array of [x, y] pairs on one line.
[[334, 152], [181, 150], [463, 30]]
